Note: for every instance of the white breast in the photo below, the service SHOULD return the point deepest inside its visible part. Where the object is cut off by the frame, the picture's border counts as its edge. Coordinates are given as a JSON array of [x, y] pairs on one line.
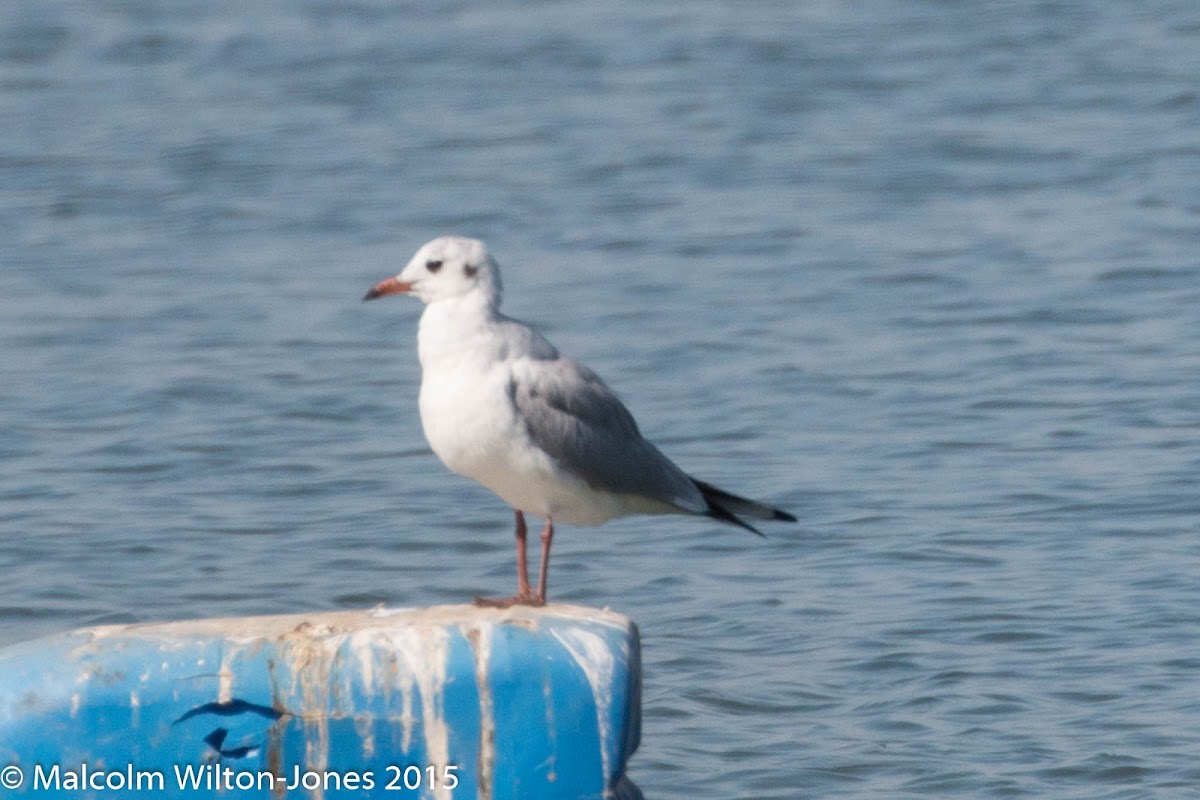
[[472, 425]]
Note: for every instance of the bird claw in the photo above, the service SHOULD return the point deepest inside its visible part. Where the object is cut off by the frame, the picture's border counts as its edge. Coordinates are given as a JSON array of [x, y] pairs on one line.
[[508, 602]]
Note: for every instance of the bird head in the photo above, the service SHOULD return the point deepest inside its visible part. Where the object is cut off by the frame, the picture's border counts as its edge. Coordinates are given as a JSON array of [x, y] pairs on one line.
[[447, 267]]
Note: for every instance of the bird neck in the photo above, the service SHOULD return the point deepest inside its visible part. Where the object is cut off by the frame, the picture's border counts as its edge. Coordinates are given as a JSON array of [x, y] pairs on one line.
[[454, 326]]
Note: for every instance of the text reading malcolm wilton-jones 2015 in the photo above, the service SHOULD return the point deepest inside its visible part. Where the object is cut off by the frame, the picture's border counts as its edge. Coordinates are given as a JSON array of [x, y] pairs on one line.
[[214, 777]]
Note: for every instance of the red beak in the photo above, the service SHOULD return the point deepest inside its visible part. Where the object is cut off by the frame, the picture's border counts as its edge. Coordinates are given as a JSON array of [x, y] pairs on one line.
[[389, 286]]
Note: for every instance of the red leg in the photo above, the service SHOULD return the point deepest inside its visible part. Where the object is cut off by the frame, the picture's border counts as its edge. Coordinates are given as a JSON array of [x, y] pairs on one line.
[[524, 595], [547, 535], [523, 587]]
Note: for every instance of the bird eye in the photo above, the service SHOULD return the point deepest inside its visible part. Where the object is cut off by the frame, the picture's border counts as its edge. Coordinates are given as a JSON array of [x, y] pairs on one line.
[[433, 264]]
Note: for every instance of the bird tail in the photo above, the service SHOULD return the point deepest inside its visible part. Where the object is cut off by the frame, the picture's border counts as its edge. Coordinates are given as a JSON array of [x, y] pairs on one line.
[[725, 506]]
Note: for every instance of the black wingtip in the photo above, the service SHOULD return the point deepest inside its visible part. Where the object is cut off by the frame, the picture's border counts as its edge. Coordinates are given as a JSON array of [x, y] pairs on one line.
[[718, 513], [725, 506]]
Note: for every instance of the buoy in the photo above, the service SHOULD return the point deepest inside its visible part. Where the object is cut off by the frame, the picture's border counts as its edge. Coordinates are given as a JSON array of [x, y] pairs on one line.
[[443, 702]]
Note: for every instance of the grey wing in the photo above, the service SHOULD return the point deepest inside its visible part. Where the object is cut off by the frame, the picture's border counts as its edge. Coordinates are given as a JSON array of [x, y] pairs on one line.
[[572, 416]]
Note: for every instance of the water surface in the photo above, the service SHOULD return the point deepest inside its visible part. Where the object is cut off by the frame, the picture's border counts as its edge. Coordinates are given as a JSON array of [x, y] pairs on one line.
[[924, 274]]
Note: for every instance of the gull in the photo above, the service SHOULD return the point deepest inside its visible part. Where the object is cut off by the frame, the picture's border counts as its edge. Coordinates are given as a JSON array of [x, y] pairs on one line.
[[501, 405]]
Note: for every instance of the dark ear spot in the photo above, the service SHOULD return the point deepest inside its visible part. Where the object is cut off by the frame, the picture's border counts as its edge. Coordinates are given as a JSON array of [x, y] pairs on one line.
[[470, 271]]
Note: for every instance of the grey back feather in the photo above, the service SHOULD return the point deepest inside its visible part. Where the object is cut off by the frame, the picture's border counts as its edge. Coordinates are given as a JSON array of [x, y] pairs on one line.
[[572, 416]]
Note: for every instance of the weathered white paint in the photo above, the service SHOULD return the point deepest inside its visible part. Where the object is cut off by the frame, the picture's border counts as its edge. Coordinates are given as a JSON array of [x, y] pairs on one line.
[[593, 656], [480, 638]]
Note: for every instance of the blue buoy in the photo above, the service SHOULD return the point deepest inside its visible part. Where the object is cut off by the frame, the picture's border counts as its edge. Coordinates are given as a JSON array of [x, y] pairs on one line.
[[444, 702]]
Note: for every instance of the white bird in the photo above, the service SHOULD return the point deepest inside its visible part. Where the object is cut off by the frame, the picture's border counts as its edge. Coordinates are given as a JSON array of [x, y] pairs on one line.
[[501, 405]]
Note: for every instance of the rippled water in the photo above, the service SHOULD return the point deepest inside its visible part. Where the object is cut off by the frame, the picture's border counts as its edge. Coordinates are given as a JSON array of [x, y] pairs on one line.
[[922, 273]]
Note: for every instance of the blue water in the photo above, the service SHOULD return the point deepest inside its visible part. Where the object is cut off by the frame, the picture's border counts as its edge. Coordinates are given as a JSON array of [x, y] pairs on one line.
[[923, 273]]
